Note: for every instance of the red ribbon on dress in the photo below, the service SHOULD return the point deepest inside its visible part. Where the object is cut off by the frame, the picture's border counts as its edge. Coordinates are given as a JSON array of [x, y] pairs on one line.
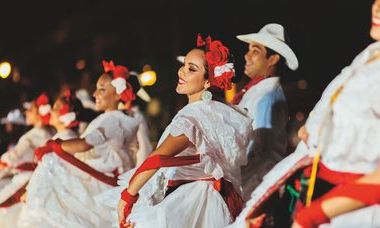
[[15, 198], [27, 166], [331, 176], [55, 146], [154, 162], [231, 197], [238, 96], [158, 161]]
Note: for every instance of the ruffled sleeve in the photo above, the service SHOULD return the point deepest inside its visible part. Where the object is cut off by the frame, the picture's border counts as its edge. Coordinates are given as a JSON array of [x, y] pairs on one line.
[[109, 127], [24, 150], [219, 133], [13, 156]]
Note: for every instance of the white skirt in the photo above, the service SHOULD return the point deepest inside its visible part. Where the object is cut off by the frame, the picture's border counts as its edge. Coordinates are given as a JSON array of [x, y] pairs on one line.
[[61, 195], [192, 205], [8, 187], [10, 215]]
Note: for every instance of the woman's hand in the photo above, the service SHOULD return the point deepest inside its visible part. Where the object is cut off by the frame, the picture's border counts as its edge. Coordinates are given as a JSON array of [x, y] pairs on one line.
[[303, 134], [120, 211], [24, 197]]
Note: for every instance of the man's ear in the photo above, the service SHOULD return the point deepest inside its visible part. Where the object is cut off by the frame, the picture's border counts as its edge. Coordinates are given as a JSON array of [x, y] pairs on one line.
[[274, 59]]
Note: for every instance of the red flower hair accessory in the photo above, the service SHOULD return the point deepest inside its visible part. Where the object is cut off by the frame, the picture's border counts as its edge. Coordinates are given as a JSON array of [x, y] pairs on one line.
[[67, 117], [217, 55], [44, 108], [120, 75]]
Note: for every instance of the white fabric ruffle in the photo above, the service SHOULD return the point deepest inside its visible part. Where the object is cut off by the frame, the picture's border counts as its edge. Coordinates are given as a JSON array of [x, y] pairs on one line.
[[111, 132], [353, 135], [10, 215], [219, 133], [24, 149]]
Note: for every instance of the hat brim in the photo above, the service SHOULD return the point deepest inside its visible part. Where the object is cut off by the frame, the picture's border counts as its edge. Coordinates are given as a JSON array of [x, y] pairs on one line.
[[275, 44]]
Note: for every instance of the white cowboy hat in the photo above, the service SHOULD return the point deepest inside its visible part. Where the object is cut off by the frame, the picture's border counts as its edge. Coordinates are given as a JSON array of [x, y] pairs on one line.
[[273, 37]]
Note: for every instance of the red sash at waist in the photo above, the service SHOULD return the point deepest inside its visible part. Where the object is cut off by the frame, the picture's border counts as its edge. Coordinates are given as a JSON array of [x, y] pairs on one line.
[[225, 188]]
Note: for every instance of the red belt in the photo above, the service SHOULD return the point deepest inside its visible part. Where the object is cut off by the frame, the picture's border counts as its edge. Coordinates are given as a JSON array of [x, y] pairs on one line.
[[225, 188], [177, 183], [231, 197]]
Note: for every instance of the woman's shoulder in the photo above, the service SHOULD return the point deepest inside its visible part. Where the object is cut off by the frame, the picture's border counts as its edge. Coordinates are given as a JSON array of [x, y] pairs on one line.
[[208, 113]]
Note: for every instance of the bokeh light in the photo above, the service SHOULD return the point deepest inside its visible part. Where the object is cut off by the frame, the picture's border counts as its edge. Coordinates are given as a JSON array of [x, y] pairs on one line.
[[5, 69]]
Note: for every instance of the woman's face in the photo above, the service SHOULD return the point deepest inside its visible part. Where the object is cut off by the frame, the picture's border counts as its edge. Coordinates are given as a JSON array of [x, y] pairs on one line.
[[54, 114], [31, 114], [106, 98], [375, 28], [191, 76]]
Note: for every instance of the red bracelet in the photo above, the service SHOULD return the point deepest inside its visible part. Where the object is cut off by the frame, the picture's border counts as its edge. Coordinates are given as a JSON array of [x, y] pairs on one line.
[[41, 151], [312, 216], [128, 198], [56, 145]]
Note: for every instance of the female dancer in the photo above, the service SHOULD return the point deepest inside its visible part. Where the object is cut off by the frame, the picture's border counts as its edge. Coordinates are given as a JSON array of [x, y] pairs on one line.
[[19, 160], [204, 146], [60, 193]]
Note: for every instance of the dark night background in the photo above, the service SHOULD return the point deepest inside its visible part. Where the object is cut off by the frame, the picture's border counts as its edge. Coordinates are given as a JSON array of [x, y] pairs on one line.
[[45, 39]]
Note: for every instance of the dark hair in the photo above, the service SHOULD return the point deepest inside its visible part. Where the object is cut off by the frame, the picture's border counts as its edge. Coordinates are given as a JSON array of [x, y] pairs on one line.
[[281, 67], [217, 93], [75, 106], [133, 80]]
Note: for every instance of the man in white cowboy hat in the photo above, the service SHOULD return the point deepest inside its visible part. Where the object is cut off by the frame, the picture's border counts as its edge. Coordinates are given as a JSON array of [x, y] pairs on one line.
[[267, 57]]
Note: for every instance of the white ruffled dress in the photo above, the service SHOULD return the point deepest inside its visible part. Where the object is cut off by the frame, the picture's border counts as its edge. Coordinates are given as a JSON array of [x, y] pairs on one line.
[[140, 147], [351, 142], [9, 215], [61, 195], [220, 135]]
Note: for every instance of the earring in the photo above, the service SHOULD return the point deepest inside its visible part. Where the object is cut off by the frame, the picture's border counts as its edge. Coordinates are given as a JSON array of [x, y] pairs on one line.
[[206, 96]]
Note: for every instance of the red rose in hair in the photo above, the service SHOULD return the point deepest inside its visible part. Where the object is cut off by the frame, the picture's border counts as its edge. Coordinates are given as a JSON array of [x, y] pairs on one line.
[[43, 99], [217, 54], [120, 71], [223, 82], [128, 94]]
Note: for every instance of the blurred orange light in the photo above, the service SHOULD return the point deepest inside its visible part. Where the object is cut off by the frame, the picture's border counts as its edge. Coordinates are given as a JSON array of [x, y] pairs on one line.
[[81, 64], [300, 116], [302, 84], [148, 78], [229, 94]]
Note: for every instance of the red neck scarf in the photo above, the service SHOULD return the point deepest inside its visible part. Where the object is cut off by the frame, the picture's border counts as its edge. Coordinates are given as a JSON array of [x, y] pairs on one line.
[[238, 96]]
